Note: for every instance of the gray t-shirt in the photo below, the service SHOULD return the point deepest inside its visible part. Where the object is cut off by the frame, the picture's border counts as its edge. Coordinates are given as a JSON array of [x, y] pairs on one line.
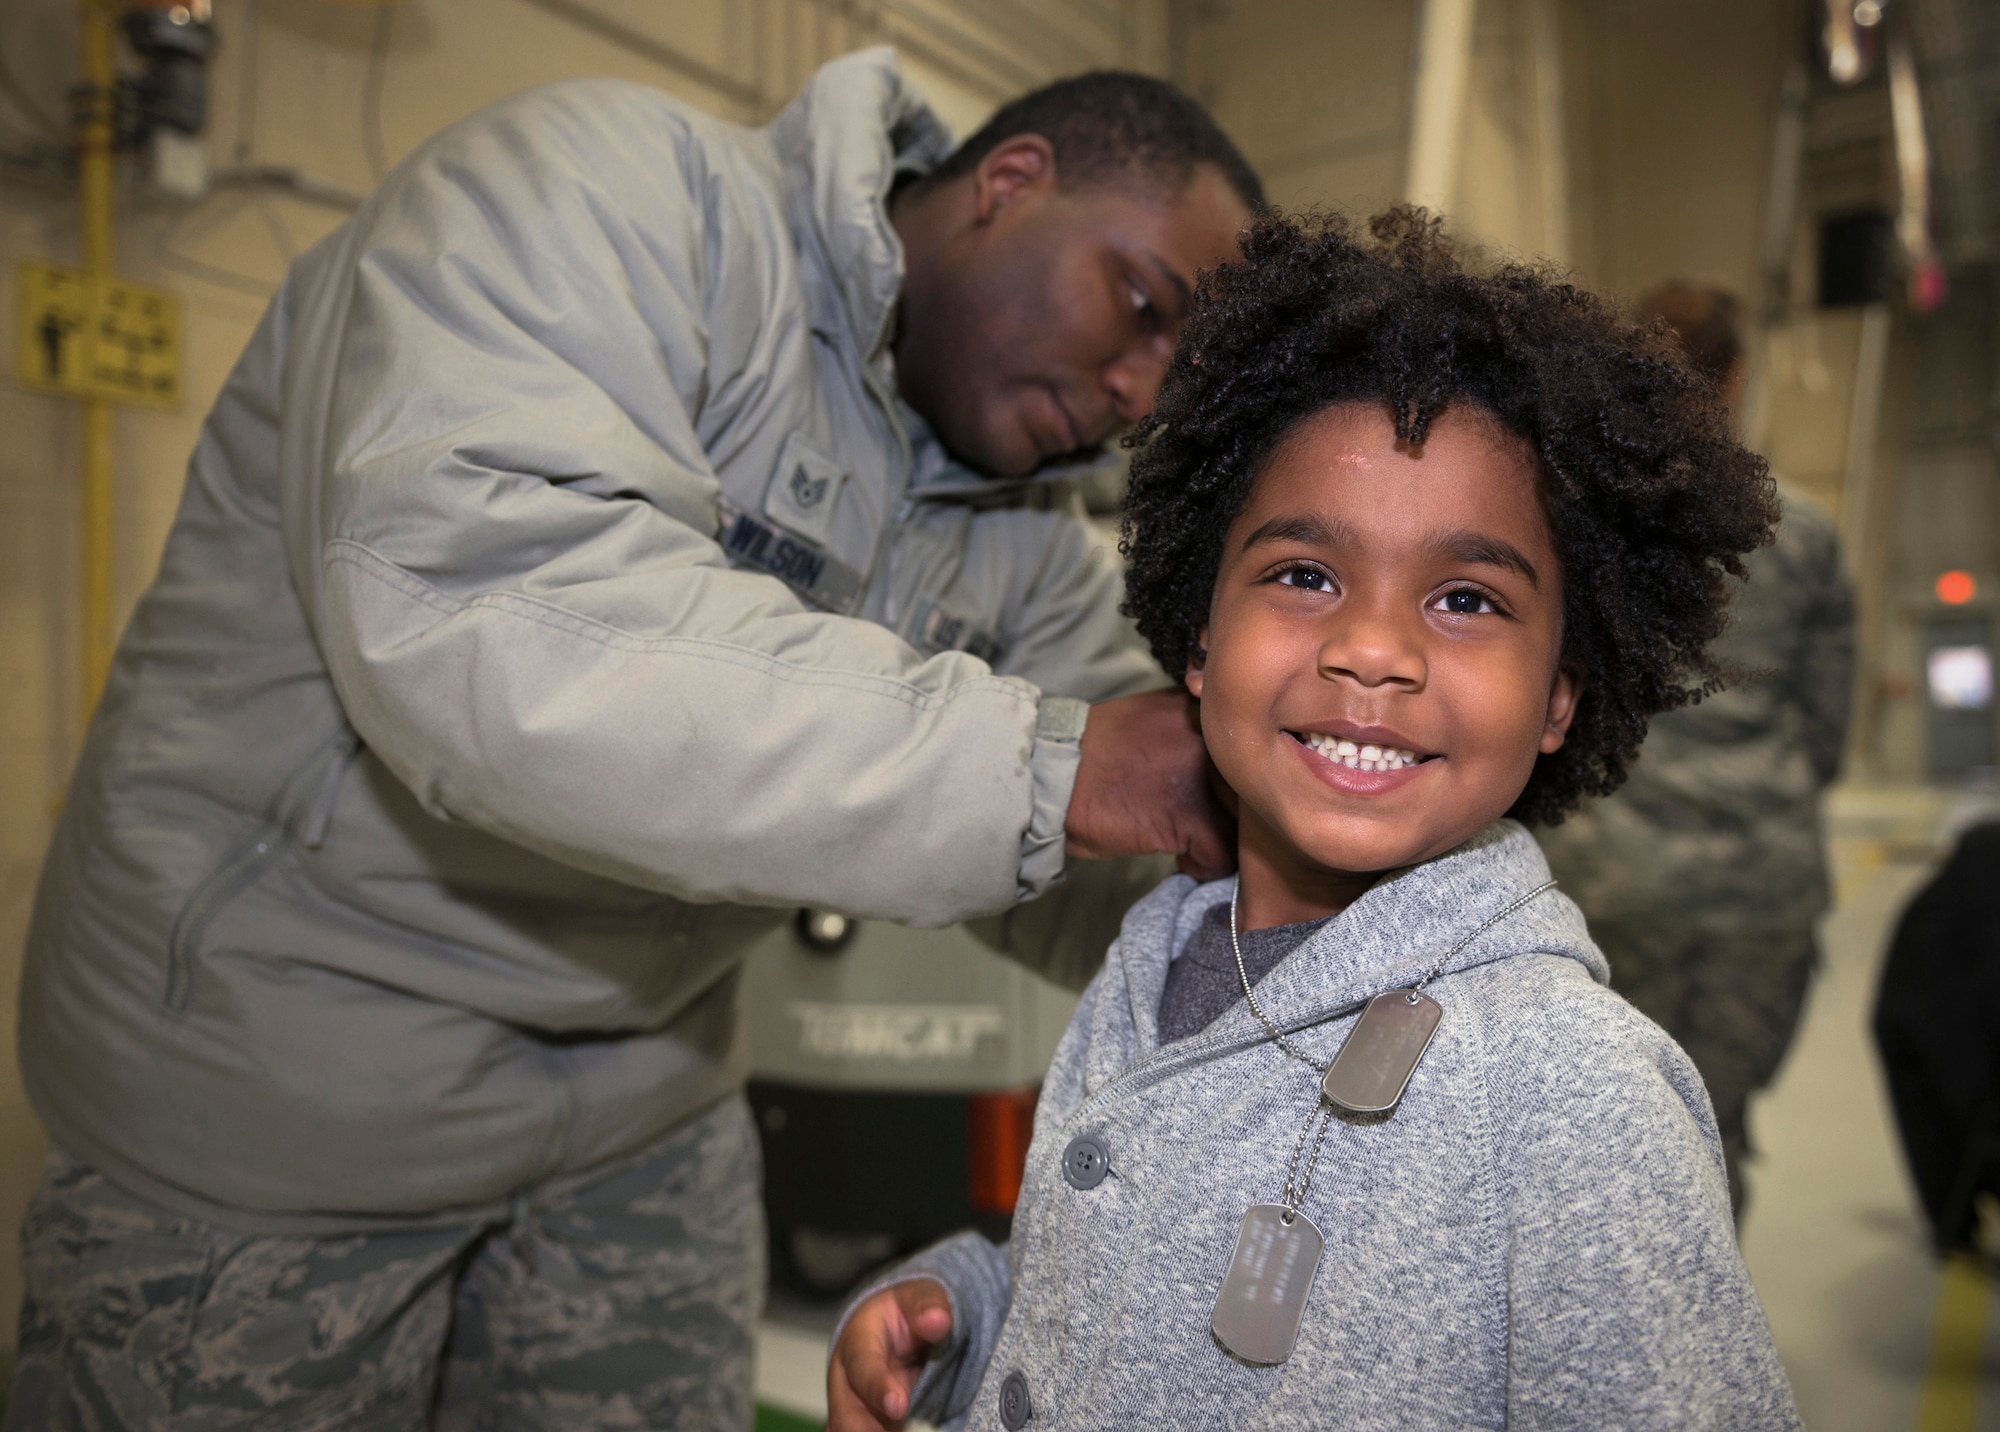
[[1203, 984]]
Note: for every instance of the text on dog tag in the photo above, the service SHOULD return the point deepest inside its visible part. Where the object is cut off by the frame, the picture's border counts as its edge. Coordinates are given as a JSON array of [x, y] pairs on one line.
[[1263, 1296], [1375, 1064]]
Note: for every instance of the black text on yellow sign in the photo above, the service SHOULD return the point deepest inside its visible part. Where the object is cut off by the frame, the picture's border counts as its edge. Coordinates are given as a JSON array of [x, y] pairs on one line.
[[115, 340]]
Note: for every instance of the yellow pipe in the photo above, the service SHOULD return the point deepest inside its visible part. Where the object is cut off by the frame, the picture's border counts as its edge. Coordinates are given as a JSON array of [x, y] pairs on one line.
[[95, 162]]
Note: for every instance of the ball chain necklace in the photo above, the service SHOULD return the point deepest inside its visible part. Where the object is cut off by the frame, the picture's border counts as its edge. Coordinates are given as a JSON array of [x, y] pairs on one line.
[[1263, 1297]]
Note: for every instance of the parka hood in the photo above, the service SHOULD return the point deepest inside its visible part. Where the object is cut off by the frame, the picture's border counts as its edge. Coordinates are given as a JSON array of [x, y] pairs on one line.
[[853, 131]]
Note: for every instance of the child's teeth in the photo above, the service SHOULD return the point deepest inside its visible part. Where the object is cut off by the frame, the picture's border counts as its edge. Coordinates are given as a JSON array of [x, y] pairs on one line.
[[1362, 758]]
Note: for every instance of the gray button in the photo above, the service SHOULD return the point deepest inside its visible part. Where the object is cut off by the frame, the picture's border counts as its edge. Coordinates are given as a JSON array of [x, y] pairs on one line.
[[1015, 1406], [1086, 1161]]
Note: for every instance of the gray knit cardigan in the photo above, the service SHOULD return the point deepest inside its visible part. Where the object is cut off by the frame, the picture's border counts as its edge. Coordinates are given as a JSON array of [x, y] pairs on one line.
[[1539, 1237]]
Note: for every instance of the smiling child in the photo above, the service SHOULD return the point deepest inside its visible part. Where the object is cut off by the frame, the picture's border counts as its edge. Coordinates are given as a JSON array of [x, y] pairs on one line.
[[1360, 1138]]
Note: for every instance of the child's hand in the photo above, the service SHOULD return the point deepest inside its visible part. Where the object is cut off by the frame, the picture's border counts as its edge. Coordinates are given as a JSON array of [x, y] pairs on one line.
[[881, 1353]]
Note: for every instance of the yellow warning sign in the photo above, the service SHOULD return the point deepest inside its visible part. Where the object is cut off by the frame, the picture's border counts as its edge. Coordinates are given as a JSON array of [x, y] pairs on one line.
[[54, 315], [114, 340]]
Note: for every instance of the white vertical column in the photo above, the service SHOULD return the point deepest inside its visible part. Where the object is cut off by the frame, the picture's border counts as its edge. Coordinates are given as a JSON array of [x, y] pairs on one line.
[[1551, 141], [1437, 108]]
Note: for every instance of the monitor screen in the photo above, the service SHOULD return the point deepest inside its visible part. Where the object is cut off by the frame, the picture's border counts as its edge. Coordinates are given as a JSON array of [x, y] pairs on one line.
[[1961, 677]]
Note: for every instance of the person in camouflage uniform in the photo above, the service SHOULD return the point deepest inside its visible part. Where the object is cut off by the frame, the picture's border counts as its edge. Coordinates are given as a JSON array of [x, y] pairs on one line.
[[1703, 876], [385, 1042], [616, 1302]]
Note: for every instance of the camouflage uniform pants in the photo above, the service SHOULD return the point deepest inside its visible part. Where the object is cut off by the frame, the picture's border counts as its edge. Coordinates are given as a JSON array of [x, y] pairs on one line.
[[1729, 995], [627, 1303]]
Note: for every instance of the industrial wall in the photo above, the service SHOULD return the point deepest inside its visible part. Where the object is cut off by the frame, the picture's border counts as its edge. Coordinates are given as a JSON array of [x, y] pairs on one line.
[[1637, 141], [1626, 138]]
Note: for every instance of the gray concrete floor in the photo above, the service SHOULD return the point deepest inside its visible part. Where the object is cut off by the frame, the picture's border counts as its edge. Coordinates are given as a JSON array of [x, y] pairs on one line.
[[1833, 1235]]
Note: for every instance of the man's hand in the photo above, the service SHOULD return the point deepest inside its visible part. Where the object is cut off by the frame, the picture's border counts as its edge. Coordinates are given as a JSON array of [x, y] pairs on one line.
[[1145, 785], [881, 1353]]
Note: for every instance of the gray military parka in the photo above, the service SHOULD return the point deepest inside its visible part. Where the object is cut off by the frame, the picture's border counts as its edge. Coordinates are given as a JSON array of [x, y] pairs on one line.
[[502, 680]]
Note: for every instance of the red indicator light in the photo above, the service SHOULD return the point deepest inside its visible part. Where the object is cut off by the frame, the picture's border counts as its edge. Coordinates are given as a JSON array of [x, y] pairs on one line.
[[1956, 588]]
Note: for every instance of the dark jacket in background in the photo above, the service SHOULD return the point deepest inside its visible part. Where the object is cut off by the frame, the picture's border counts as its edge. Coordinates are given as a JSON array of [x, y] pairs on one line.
[[1937, 1025]]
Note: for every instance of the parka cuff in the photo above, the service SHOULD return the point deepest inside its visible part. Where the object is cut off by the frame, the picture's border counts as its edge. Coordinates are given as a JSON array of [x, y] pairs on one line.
[[1059, 722]]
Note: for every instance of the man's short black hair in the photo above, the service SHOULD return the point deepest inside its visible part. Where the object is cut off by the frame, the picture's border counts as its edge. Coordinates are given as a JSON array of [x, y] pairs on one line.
[[1651, 499], [1112, 127]]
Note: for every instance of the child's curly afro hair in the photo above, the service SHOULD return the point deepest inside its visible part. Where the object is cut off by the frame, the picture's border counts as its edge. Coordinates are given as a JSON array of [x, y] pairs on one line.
[[1650, 497]]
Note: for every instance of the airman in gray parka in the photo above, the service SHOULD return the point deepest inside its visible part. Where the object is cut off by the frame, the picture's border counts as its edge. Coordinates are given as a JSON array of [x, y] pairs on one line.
[[627, 528]]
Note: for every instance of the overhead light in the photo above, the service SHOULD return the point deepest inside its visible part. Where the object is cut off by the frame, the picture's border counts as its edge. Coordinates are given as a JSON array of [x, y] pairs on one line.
[[1849, 38]]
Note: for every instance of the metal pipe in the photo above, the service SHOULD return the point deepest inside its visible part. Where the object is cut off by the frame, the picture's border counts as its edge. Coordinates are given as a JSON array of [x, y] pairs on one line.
[[95, 167], [290, 181], [1774, 249], [1913, 176], [1551, 146], [660, 52]]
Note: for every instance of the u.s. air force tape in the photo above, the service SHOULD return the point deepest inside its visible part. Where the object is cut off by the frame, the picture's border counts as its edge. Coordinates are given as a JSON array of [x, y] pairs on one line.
[[821, 579], [938, 629]]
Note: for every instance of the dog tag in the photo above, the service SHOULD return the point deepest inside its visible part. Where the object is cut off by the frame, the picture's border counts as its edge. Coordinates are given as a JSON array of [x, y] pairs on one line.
[[1369, 1074], [1263, 1296]]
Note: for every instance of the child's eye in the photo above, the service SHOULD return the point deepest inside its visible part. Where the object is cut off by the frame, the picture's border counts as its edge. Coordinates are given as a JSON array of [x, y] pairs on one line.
[[1466, 602], [1306, 579]]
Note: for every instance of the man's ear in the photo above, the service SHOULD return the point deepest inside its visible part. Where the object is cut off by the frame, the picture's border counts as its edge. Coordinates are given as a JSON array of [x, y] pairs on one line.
[[1563, 695], [1197, 663], [1012, 170]]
